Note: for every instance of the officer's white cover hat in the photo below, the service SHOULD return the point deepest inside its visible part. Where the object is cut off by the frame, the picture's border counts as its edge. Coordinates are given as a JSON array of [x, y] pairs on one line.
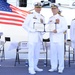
[[54, 5], [37, 5]]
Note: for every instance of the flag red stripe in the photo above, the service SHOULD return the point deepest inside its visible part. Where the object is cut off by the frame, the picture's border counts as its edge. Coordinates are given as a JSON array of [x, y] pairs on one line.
[[7, 23], [13, 15], [11, 19]]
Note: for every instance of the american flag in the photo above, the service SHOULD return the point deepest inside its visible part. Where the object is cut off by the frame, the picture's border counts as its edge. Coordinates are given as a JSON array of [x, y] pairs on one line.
[[11, 15]]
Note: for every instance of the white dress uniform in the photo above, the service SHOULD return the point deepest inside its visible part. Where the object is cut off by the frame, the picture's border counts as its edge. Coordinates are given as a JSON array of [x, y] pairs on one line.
[[34, 38], [57, 42], [72, 34]]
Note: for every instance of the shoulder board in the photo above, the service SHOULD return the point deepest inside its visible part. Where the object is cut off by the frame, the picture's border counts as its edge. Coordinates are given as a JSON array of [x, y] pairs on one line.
[[61, 15], [42, 15], [31, 13], [51, 17]]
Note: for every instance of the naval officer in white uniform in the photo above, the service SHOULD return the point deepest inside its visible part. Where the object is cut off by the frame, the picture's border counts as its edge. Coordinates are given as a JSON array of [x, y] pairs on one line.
[[34, 37], [57, 39]]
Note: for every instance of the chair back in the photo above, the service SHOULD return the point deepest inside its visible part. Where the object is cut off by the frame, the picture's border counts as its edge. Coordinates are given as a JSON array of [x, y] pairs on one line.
[[7, 39], [23, 45]]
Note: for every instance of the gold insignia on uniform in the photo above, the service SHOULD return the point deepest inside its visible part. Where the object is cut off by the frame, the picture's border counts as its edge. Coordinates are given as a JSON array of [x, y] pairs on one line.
[[41, 20], [57, 21]]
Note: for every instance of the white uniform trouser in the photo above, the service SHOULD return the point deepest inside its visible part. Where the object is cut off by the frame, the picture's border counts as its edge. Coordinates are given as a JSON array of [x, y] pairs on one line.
[[33, 55], [57, 55]]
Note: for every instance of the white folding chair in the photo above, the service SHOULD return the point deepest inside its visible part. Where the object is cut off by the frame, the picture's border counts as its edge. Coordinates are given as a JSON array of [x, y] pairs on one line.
[[21, 49], [2, 53]]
